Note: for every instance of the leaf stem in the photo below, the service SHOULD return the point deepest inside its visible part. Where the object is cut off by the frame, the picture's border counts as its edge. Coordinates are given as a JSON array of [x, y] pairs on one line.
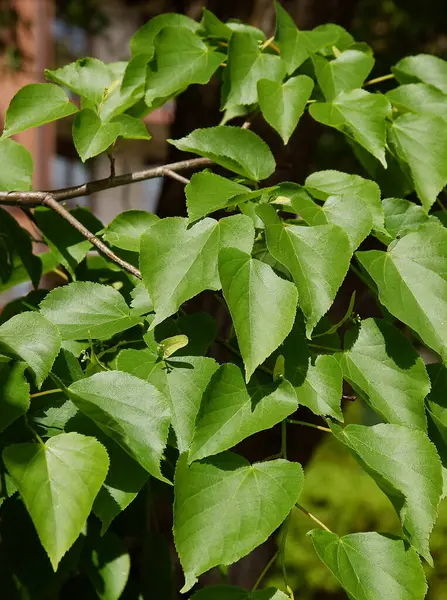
[[45, 393], [313, 517], [306, 424], [265, 571], [379, 79], [362, 278]]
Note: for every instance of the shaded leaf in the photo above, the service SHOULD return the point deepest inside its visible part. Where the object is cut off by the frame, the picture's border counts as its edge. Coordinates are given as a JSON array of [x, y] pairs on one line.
[[126, 229], [229, 592], [17, 167], [14, 393], [142, 42]]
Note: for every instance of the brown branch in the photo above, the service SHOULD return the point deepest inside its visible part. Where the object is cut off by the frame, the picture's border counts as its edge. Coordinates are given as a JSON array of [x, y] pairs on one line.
[[31, 199], [50, 201]]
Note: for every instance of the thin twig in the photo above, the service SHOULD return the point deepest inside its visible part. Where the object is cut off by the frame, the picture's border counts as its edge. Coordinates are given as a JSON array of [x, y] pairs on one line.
[[313, 517], [50, 201], [379, 79], [306, 424], [176, 176], [45, 393]]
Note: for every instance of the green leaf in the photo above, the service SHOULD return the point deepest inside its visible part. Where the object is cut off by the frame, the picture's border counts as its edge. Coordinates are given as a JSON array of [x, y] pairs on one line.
[[421, 141], [14, 393], [220, 491], [371, 566], [208, 192], [413, 284], [308, 253], [247, 64], [36, 104], [142, 42], [131, 128], [58, 482], [229, 592], [261, 304], [327, 183], [140, 363], [130, 411], [111, 562], [181, 60], [344, 73], [423, 68], [212, 27], [236, 149], [17, 167], [282, 104], [91, 136], [34, 339], [87, 77], [382, 364], [84, 310], [348, 211], [419, 98], [403, 216], [171, 345], [359, 115], [178, 262], [69, 246], [126, 229], [125, 92], [231, 411], [141, 301], [405, 465]]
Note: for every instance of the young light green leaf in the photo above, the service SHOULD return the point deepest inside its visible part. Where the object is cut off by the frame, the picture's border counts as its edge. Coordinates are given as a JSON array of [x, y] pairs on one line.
[[282, 104], [131, 128], [383, 366], [437, 414], [200, 328], [84, 310], [236, 149], [231, 411], [17, 167], [247, 64], [208, 192], [126, 229], [405, 465], [413, 284], [359, 115], [178, 262], [403, 216], [419, 98], [34, 339], [171, 345], [58, 482], [14, 393], [346, 72], [423, 68], [371, 566], [36, 104], [220, 491], [308, 253], [87, 77], [261, 304], [421, 142], [142, 42], [229, 592], [132, 412], [91, 136], [323, 184]]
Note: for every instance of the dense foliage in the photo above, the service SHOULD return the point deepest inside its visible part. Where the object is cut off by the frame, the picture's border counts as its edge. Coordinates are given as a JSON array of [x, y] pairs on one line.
[[106, 389]]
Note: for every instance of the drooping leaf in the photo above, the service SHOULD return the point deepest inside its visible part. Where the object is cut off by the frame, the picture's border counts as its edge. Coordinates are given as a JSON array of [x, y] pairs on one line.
[[58, 482], [403, 216], [405, 465], [412, 282], [421, 142], [84, 310], [343, 73], [261, 304], [181, 61], [371, 566], [308, 253], [282, 104], [36, 104], [111, 563], [14, 393], [359, 115], [91, 136], [87, 77], [132, 412], [231, 411], [17, 167], [423, 68], [247, 64], [220, 491], [33, 339], [384, 367], [236, 149], [142, 42], [178, 262], [126, 229], [323, 184], [229, 592], [418, 98]]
